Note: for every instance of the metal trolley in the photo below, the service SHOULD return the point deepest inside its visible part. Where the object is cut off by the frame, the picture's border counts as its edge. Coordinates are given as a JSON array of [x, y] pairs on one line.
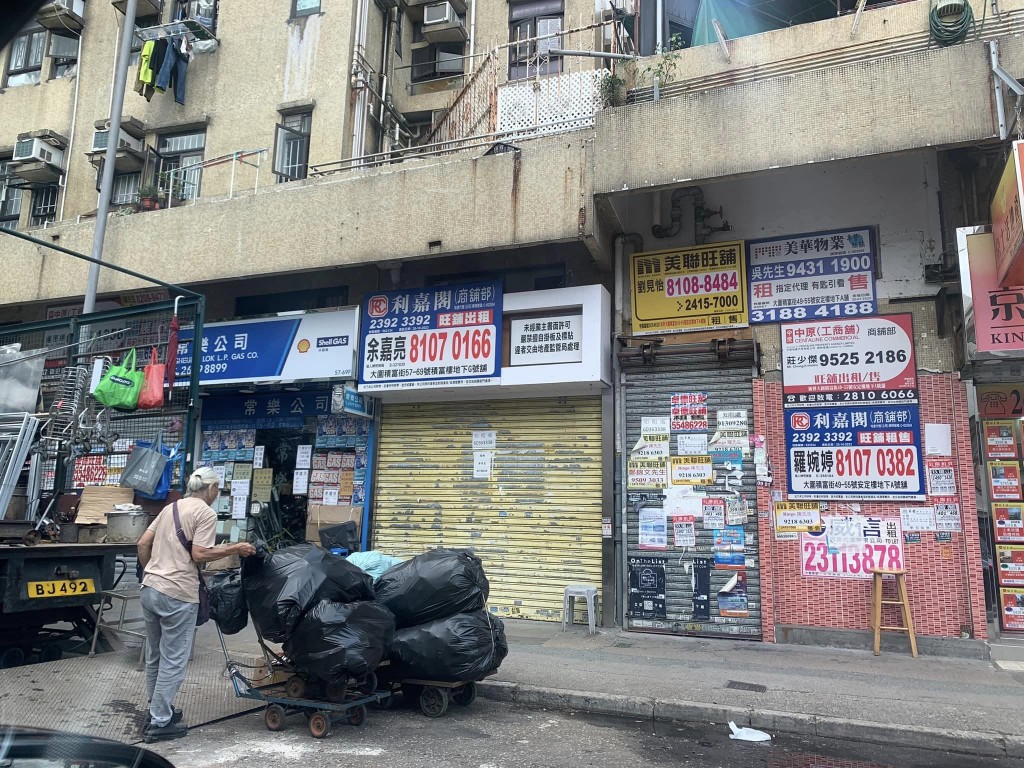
[[339, 702], [432, 696]]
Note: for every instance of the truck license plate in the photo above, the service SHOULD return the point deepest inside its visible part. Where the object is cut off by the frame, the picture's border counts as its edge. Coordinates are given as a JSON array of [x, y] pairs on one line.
[[61, 588]]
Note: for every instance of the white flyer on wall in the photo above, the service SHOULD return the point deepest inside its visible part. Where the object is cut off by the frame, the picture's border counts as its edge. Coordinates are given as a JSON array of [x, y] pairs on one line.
[[300, 482], [692, 444], [652, 534], [303, 456], [482, 463], [239, 507]]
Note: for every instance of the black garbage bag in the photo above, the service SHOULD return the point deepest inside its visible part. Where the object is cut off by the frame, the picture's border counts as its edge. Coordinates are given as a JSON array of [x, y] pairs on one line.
[[458, 649], [227, 601], [281, 587], [341, 639], [436, 584]]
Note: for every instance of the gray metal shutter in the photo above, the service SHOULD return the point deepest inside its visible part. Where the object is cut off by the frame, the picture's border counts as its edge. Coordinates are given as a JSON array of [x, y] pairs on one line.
[[648, 390]]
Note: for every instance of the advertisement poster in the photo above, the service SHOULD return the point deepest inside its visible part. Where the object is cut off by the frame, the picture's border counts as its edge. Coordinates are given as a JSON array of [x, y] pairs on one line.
[[797, 516], [652, 534], [714, 513], [685, 531], [692, 444], [731, 420], [654, 438], [1012, 601], [691, 470], [1010, 561], [646, 474], [546, 340], [1009, 520], [947, 517], [816, 275], [1004, 480], [917, 518], [732, 598], [1007, 224], [681, 500], [1000, 440], [849, 546], [317, 345], [690, 412], [864, 360], [941, 474], [736, 510], [702, 288], [431, 337], [855, 452], [729, 546], [646, 587]]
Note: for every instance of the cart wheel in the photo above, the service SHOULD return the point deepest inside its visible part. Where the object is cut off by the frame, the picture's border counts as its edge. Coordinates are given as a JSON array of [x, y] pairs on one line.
[[12, 657], [295, 687], [273, 716], [465, 695], [319, 725], [336, 690], [51, 652], [30, 538], [357, 715], [434, 701], [370, 683]]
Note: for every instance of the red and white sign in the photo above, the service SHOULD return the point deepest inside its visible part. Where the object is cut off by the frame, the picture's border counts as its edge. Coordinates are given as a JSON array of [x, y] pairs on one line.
[[689, 412], [1008, 221], [1000, 439], [863, 360], [1010, 561], [825, 472], [1004, 480], [941, 474], [1009, 520], [848, 547], [1013, 608]]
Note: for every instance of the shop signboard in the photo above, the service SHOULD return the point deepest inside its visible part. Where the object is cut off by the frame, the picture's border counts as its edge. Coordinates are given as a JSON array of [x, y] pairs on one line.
[[1008, 220], [993, 308], [1000, 401], [703, 288], [345, 399], [546, 340], [865, 360], [447, 336], [278, 410], [827, 274], [319, 345], [849, 546]]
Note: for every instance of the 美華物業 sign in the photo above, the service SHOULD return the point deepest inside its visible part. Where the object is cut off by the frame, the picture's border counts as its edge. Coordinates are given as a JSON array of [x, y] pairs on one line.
[[818, 275], [431, 337], [701, 288]]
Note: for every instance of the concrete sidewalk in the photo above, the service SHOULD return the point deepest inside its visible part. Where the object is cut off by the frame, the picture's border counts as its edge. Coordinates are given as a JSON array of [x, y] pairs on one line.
[[939, 703]]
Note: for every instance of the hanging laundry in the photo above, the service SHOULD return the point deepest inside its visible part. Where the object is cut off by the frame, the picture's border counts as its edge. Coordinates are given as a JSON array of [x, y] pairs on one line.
[[156, 61], [145, 76], [174, 69]]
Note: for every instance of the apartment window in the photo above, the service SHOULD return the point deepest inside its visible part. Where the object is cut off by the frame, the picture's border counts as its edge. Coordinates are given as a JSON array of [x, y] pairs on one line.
[[25, 65], [177, 171], [10, 197], [203, 11], [44, 205], [399, 27], [126, 188], [528, 21], [63, 49], [438, 61], [291, 147], [305, 8]]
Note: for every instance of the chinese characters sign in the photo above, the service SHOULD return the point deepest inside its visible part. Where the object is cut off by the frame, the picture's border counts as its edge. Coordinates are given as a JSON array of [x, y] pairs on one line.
[[449, 336], [540, 341], [848, 547], [312, 346], [1007, 219], [851, 412], [820, 275], [994, 313], [702, 288], [285, 410]]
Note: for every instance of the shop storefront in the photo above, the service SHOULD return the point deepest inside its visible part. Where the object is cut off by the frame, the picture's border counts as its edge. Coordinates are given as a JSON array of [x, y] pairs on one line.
[[492, 433], [281, 426]]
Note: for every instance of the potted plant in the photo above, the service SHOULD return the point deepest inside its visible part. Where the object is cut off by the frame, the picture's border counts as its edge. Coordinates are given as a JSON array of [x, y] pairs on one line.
[[149, 198], [612, 89]]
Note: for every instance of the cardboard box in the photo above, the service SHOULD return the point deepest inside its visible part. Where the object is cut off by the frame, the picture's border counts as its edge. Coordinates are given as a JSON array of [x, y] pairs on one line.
[[225, 563], [323, 516], [98, 500]]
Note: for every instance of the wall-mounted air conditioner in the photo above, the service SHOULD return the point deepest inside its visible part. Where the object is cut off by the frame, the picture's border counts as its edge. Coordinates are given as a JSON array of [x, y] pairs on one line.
[[101, 137], [37, 150], [439, 13]]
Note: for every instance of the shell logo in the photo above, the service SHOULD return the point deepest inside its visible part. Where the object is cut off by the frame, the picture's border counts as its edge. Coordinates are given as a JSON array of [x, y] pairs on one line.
[[303, 346]]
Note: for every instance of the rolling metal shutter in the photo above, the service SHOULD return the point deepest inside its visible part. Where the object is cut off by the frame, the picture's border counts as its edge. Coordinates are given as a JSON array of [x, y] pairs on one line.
[[536, 524], [648, 390]]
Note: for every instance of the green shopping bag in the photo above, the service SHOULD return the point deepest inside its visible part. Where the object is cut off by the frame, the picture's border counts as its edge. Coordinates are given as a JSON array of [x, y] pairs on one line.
[[120, 386]]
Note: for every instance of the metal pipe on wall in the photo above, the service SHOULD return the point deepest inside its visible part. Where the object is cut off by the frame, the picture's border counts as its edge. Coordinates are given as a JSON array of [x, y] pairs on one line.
[[117, 88], [74, 125]]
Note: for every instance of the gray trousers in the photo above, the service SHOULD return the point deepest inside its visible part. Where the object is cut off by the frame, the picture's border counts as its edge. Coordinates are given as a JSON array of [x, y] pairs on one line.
[[170, 630]]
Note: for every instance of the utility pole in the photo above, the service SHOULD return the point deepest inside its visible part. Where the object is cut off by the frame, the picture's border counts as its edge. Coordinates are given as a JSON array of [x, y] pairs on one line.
[[117, 86]]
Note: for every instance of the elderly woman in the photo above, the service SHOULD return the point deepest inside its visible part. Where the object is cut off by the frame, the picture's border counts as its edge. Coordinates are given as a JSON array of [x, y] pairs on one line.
[[181, 537]]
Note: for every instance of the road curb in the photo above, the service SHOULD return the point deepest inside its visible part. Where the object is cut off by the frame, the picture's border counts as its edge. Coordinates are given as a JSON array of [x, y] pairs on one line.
[[794, 723]]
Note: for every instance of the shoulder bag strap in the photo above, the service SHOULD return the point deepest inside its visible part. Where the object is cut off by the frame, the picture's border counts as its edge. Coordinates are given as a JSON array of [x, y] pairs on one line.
[[177, 530]]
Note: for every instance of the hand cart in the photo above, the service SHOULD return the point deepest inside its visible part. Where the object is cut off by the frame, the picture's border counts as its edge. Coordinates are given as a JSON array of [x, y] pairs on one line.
[[433, 696], [339, 702]]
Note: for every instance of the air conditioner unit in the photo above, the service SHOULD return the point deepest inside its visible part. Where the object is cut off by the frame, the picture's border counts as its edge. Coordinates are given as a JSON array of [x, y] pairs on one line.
[[439, 13], [102, 137], [37, 149]]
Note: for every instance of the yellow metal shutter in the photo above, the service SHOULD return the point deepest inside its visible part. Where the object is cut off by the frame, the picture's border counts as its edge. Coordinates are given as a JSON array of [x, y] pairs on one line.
[[536, 524]]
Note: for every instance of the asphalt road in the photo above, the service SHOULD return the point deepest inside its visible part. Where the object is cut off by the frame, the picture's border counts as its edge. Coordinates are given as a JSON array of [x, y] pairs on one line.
[[497, 735]]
